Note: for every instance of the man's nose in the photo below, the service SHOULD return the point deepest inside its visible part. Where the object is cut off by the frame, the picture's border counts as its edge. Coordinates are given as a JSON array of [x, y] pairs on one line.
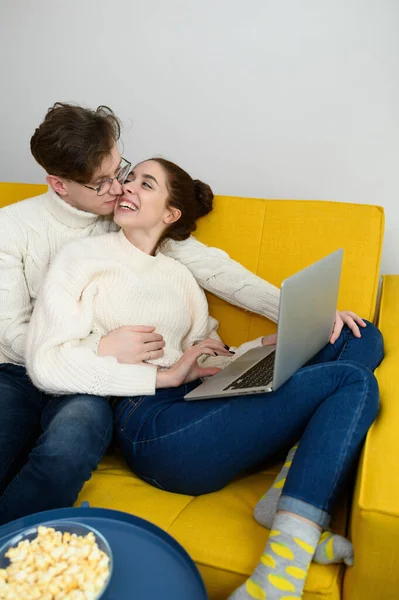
[[116, 188]]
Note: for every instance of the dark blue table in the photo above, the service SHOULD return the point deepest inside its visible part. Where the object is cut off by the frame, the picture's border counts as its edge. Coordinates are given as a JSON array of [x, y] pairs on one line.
[[148, 563]]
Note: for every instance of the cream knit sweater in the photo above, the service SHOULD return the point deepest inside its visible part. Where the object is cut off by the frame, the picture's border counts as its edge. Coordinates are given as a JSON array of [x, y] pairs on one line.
[[34, 230], [96, 285]]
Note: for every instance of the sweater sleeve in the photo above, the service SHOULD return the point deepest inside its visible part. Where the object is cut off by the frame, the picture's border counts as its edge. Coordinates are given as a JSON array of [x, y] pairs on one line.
[[217, 273], [246, 346], [59, 357], [201, 323], [205, 326], [15, 300]]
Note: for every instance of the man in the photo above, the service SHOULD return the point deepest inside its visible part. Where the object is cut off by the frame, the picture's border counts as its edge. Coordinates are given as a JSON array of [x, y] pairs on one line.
[[50, 445]]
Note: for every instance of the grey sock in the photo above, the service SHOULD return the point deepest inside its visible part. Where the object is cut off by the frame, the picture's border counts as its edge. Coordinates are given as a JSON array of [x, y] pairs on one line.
[[265, 510], [283, 567], [331, 549]]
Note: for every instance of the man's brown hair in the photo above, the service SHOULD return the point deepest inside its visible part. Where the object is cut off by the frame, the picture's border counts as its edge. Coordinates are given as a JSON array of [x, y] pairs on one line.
[[73, 141]]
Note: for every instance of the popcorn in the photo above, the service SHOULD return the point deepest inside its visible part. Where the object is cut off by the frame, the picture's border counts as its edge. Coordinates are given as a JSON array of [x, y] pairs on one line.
[[55, 566]]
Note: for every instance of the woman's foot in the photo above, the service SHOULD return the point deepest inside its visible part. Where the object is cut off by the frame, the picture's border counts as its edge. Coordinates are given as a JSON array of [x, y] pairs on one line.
[[331, 549], [283, 567]]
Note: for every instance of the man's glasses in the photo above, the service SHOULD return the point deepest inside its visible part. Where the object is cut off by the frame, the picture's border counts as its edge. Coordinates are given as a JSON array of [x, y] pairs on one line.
[[105, 186]]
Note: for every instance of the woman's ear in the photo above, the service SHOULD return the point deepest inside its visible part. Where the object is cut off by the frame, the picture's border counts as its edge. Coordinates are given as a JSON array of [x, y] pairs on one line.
[[172, 215], [57, 184]]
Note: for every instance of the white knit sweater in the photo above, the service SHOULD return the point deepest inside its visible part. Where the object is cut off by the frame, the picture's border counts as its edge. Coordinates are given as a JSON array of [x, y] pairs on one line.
[[34, 230], [96, 285]]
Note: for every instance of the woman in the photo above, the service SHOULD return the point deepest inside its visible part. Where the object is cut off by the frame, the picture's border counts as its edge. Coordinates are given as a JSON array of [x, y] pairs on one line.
[[101, 283]]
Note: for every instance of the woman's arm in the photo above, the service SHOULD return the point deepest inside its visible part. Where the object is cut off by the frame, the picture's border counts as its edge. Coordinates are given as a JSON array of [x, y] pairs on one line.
[[59, 359], [216, 272]]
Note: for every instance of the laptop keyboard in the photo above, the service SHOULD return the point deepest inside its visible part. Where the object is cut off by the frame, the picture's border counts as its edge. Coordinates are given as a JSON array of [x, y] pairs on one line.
[[259, 375]]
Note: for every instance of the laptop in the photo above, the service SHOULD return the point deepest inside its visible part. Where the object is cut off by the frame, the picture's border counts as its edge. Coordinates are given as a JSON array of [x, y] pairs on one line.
[[308, 303]]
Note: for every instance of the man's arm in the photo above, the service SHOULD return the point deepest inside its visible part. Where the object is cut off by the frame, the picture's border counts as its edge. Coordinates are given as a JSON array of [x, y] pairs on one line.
[[217, 273], [15, 300]]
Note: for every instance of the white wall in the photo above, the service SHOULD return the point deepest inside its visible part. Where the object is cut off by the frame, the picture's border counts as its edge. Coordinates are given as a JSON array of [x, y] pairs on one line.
[[266, 98]]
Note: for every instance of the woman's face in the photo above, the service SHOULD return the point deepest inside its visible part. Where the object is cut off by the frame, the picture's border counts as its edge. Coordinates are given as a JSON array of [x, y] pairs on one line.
[[143, 204]]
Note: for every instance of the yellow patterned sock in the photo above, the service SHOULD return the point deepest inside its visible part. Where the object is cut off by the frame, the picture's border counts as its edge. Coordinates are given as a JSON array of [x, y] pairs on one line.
[[283, 567]]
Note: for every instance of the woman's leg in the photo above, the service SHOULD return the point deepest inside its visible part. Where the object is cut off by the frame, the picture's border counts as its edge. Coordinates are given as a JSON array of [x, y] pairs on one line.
[[368, 351], [198, 447]]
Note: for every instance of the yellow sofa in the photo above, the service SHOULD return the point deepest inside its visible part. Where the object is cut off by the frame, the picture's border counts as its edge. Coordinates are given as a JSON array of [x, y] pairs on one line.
[[275, 238]]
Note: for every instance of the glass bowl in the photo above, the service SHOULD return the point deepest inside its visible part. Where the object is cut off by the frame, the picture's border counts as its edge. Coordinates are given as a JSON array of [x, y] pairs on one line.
[[64, 526]]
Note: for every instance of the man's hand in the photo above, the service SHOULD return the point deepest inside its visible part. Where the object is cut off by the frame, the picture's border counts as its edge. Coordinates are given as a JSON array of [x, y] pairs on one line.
[[343, 317], [349, 318], [132, 344], [187, 368], [269, 340]]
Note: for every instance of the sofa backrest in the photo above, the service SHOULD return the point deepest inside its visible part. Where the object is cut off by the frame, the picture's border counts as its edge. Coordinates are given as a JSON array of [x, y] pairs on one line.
[[276, 238]]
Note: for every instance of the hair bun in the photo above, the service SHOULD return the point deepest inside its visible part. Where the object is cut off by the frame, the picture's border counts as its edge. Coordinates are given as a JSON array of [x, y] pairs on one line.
[[204, 197]]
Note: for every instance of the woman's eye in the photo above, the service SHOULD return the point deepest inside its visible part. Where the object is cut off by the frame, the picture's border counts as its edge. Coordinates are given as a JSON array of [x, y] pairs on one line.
[[146, 184]]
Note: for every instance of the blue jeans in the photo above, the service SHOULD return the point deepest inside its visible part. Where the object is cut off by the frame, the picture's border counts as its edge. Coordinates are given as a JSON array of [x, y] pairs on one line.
[[48, 445], [198, 447]]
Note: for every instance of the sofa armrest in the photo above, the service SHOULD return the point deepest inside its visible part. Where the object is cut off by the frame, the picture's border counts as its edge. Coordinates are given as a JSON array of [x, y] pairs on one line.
[[374, 524]]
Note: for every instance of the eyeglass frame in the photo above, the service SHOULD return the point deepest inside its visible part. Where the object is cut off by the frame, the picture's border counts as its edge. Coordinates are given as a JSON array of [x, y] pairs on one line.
[[125, 170]]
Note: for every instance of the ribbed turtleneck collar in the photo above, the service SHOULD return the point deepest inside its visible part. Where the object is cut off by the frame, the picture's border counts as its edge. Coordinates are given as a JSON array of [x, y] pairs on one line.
[[67, 214], [125, 252]]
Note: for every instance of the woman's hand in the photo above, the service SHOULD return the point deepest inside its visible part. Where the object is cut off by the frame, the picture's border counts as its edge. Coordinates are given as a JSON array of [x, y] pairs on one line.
[[349, 318], [187, 368], [216, 345], [132, 344]]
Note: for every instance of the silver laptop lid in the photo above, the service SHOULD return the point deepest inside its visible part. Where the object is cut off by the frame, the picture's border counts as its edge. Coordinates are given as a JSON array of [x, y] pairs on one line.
[[309, 296]]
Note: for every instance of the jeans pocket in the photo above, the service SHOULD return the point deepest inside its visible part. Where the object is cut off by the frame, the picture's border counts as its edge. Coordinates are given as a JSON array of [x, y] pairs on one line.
[[123, 416]]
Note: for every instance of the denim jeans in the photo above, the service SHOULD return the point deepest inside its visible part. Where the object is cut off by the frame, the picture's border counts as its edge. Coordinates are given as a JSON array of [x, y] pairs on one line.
[[48, 445], [198, 447]]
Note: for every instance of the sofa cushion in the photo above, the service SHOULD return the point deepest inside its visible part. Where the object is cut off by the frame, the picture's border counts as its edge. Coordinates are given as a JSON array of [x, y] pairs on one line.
[[13, 192], [276, 238], [217, 530]]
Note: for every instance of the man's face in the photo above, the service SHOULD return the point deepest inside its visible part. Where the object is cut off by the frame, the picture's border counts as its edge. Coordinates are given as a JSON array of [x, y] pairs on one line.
[[88, 200]]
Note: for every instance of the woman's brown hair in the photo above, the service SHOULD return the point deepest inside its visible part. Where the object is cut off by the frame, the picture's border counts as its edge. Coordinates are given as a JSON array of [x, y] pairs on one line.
[[192, 197]]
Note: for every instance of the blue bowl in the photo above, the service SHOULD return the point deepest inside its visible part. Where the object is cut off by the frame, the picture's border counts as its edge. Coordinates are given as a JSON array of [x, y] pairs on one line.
[[65, 527]]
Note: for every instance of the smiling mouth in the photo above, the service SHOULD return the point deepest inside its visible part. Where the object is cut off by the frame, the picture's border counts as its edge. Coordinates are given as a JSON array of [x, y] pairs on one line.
[[127, 205]]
